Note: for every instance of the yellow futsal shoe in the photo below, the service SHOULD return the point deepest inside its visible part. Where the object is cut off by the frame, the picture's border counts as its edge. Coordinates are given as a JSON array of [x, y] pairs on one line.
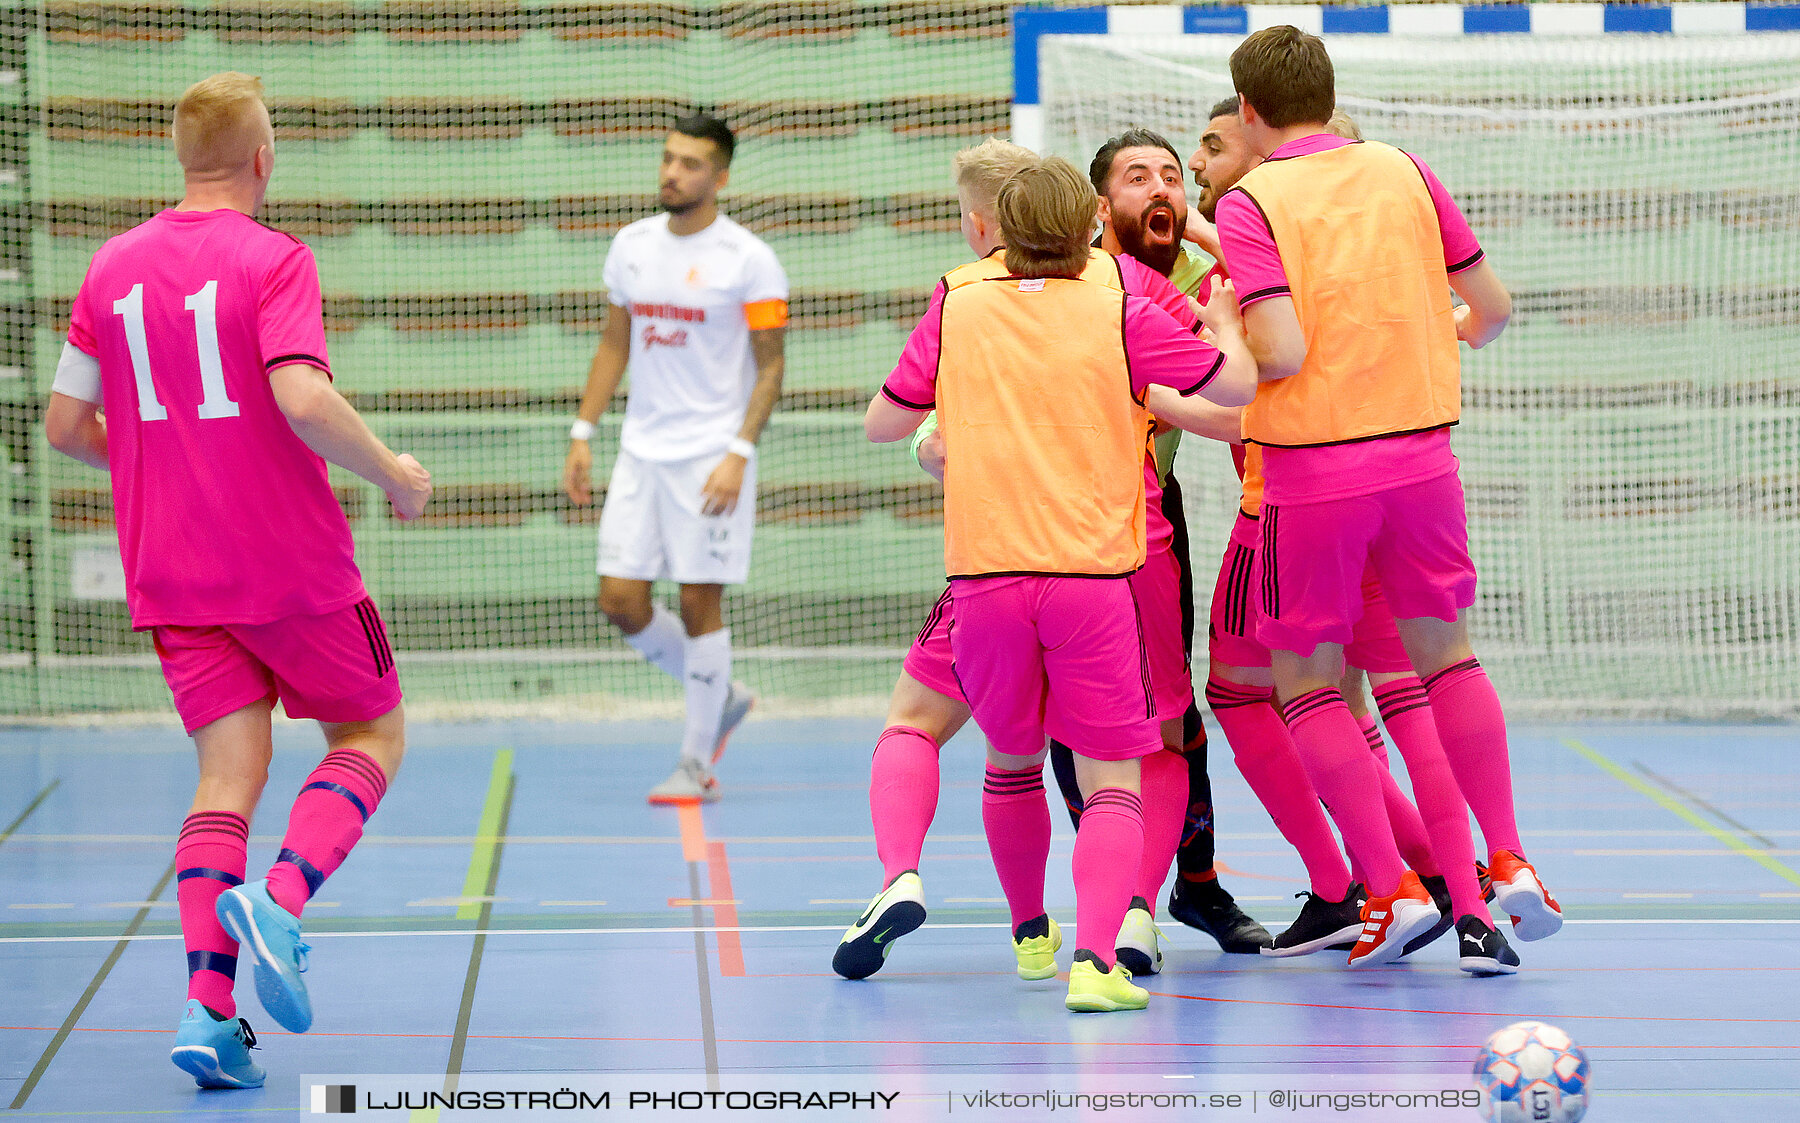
[[896, 910], [1093, 991], [1035, 943], [1138, 940]]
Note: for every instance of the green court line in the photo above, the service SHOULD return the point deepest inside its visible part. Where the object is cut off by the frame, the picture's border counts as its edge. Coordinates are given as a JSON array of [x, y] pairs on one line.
[[484, 874], [1669, 803], [87, 996], [29, 808], [487, 836]]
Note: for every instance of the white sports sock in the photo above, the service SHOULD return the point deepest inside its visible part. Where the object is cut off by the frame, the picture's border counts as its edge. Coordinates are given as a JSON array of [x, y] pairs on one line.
[[663, 642], [708, 683]]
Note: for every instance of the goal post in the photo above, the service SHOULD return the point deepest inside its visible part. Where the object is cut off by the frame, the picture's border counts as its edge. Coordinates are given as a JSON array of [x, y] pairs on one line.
[[1631, 444]]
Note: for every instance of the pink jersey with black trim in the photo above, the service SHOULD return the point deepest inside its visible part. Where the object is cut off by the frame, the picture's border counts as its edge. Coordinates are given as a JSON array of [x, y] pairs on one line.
[[224, 515], [1317, 475], [1141, 280], [1137, 279]]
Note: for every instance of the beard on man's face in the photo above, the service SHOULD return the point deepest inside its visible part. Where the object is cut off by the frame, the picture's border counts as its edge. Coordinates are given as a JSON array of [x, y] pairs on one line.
[[1153, 237], [672, 200]]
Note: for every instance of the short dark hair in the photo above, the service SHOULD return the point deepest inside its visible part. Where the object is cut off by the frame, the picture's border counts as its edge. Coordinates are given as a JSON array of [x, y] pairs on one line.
[[704, 126], [1285, 74], [1101, 169], [1227, 107]]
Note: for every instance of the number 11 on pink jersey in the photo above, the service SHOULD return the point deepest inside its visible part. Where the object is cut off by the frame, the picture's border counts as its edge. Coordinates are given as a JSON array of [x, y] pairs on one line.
[[204, 305]]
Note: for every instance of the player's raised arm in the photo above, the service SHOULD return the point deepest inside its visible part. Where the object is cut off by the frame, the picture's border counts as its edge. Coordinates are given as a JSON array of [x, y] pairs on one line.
[[72, 421], [1487, 307], [1163, 353], [1196, 415], [910, 392], [331, 427], [603, 378], [1270, 322], [928, 447], [886, 422], [719, 494], [75, 428], [768, 347], [1236, 381]]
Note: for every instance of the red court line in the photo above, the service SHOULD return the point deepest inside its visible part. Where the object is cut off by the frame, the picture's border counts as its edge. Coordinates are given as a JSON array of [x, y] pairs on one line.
[[1588, 1045], [1253, 971], [731, 944], [693, 832], [1214, 1044], [1221, 867], [1469, 1013], [695, 848]]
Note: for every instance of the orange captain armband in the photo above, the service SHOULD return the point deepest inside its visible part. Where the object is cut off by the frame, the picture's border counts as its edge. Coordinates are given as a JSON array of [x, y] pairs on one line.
[[762, 315]]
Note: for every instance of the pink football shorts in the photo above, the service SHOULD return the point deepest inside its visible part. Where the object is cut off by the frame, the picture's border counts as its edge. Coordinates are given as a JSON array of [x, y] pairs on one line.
[[1231, 631], [1063, 656], [1314, 558], [332, 667], [1374, 640], [1157, 587], [928, 661]]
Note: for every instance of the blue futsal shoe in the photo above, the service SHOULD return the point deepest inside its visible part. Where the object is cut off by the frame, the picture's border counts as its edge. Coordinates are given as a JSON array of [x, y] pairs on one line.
[[215, 1053], [271, 934]]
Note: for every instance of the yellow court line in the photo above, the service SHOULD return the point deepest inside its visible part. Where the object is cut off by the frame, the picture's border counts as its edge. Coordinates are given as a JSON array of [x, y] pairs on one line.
[[476, 892], [1668, 803], [487, 838]]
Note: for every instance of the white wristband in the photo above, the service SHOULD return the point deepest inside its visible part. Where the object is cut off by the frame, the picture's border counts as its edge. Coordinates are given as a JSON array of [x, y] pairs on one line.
[[581, 430], [742, 447]]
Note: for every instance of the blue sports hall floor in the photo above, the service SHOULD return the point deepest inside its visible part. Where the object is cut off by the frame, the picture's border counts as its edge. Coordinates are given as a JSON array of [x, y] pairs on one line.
[[516, 908]]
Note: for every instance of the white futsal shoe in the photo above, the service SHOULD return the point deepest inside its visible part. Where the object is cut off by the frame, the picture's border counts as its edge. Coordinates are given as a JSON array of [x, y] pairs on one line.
[[691, 782]]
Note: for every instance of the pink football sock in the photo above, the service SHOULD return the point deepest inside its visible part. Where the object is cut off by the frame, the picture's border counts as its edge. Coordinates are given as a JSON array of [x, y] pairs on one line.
[[1265, 754], [903, 796], [1410, 835], [1017, 820], [327, 819], [209, 859], [1338, 763], [1407, 711], [1109, 842], [1165, 800], [1473, 732]]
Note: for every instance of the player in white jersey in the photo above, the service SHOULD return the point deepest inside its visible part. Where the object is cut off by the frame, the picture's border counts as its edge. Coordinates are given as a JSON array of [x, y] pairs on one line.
[[698, 313]]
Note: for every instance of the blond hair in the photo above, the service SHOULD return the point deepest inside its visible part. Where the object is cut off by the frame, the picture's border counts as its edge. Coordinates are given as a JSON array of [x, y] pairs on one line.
[[1046, 211], [219, 123], [1341, 124], [980, 169]]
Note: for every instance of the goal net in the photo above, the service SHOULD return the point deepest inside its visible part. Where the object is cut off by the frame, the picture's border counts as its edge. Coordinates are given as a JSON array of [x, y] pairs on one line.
[[459, 168], [1631, 444]]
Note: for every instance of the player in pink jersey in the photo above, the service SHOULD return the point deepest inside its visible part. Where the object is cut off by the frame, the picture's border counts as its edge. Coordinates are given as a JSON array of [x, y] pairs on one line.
[[1240, 683], [1039, 525], [1354, 422], [195, 373], [1143, 205], [928, 707]]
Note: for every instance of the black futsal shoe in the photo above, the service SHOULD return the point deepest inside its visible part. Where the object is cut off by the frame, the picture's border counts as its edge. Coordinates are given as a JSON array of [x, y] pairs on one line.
[[1207, 906]]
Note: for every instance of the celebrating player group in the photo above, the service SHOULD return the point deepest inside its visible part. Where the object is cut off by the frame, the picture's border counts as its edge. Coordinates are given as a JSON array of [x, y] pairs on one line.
[[1327, 350], [1056, 371]]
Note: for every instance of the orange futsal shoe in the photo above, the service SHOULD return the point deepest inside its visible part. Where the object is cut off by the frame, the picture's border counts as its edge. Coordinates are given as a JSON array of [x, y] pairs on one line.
[[1390, 923], [1535, 913]]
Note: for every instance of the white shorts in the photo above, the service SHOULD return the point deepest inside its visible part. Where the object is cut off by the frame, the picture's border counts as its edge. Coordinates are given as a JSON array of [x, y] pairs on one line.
[[651, 528]]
